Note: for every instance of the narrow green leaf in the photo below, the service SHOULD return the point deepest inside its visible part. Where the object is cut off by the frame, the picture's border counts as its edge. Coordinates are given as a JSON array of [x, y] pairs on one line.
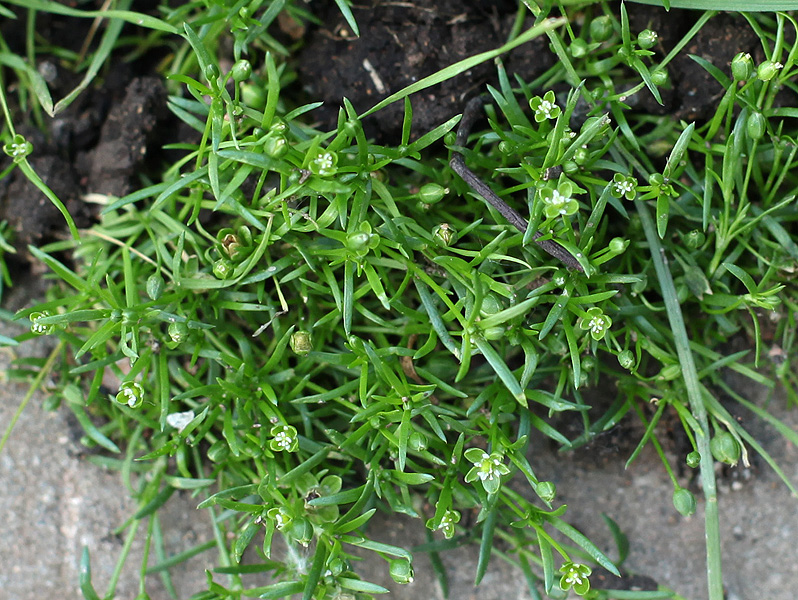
[[486, 544], [316, 568], [84, 576], [501, 369]]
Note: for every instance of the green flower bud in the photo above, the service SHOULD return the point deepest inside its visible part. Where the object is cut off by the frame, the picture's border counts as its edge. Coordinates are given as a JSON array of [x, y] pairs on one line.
[[725, 448], [581, 156], [444, 234], [359, 242], [546, 490], [618, 245], [694, 239], [647, 39], [626, 359], [241, 70], [659, 77], [155, 286], [579, 48], [336, 567], [223, 269], [742, 66], [570, 166], [417, 441], [755, 125], [671, 372], [401, 570], [278, 126], [219, 451], [601, 29], [284, 438], [507, 148], [768, 70], [253, 96], [431, 193], [684, 501], [178, 331], [301, 342], [301, 531], [494, 333], [693, 459], [275, 146], [211, 72]]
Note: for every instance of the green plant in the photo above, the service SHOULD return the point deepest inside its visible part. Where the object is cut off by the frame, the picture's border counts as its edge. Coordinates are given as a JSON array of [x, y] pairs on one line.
[[336, 339]]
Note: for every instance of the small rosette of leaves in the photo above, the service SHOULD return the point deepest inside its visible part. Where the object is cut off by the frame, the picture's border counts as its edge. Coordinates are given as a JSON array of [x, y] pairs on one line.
[[575, 576], [488, 468], [545, 108]]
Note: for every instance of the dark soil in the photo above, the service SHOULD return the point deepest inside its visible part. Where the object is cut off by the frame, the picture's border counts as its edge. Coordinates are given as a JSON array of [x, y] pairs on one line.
[[104, 140], [403, 42]]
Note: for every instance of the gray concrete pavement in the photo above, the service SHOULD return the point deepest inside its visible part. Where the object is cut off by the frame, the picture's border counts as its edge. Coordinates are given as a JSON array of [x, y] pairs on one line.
[[54, 502]]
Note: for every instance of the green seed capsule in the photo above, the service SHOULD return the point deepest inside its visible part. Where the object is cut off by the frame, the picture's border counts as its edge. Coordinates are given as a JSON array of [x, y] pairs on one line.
[[725, 448], [417, 441], [626, 359], [768, 70], [444, 234], [241, 71], [647, 39], [601, 29], [223, 269], [742, 66], [693, 459], [275, 146], [659, 77], [494, 333], [684, 501], [694, 239], [155, 286], [301, 342], [430, 193], [755, 125], [178, 332], [546, 490], [212, 73], [401, 570], [253, 96]]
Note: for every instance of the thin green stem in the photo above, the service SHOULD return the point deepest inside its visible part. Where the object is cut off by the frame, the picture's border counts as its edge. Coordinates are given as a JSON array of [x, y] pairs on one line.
[[682, 343]]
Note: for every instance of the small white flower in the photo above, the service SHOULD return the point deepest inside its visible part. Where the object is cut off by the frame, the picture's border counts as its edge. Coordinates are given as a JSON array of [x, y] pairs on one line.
[[180, 420], [622, 187], [574, 578]]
